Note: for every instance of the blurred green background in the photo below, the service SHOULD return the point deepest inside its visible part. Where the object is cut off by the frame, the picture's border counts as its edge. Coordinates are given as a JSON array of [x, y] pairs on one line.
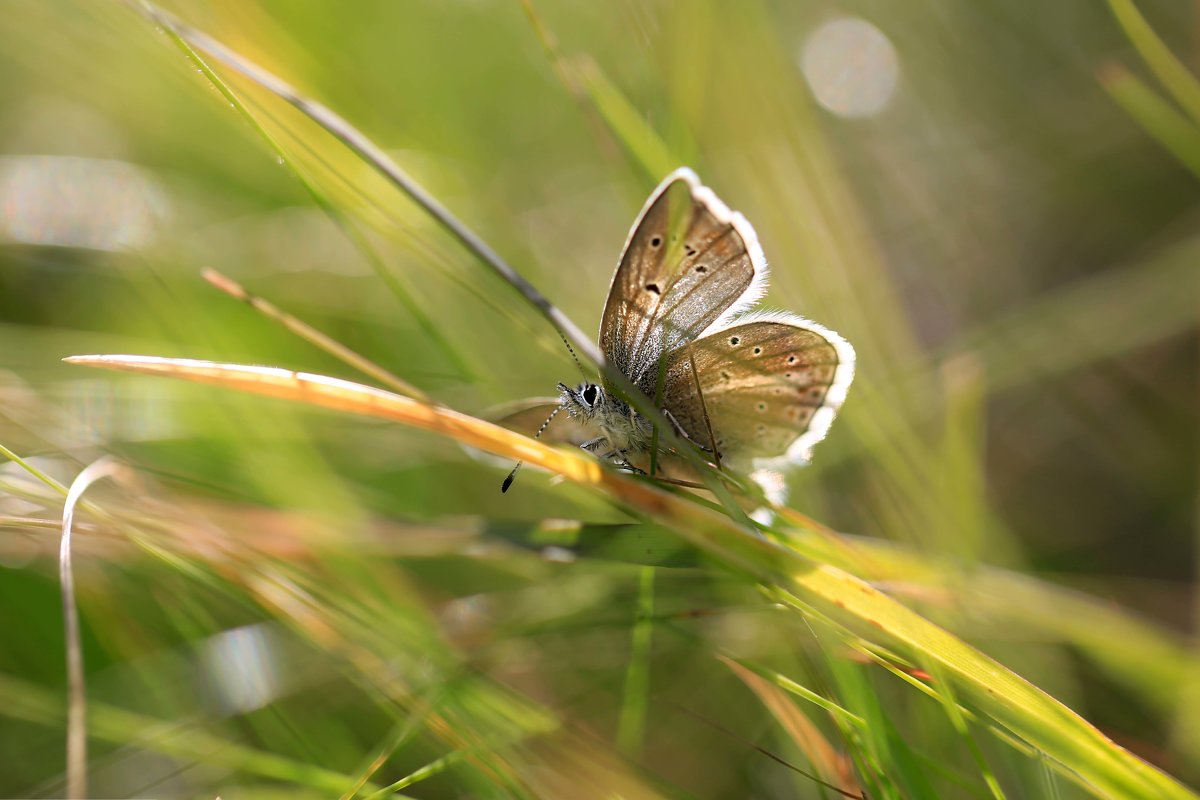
[[995, 202]]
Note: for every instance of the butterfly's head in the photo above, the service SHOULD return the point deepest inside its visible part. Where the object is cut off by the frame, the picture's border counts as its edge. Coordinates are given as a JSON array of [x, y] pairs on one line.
[[583, 401]]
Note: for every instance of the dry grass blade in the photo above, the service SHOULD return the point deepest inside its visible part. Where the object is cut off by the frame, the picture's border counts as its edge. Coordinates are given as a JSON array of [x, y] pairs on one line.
[[312, 335], [342, 395], [836, 771]]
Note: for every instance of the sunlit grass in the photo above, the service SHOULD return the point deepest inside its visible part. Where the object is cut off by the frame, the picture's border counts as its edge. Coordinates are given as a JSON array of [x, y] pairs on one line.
[[291, 601]]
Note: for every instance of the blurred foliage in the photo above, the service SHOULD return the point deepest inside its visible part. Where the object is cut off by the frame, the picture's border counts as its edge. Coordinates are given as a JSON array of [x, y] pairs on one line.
[[290, 602]]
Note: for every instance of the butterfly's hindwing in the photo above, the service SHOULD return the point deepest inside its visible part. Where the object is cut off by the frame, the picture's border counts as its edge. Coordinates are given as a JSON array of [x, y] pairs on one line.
[[770, 388]]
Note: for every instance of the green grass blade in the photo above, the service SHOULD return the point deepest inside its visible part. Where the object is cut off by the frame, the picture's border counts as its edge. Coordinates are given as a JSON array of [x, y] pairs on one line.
[[1178, 135], [584, 79], [414, 309], [23, 700], [1170, 71], [631, 727]]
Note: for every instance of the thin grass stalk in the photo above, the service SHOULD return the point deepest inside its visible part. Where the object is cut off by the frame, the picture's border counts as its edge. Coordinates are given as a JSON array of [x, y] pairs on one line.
[[631, 728], [103, 467], [313, 336]]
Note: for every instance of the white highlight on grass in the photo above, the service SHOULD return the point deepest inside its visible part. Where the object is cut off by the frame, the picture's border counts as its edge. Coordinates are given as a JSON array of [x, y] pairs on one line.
[[851, 67], [76, 688], [559, 555]]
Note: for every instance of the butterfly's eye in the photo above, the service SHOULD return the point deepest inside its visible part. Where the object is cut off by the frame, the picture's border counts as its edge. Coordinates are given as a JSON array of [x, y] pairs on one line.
[[589, 394]]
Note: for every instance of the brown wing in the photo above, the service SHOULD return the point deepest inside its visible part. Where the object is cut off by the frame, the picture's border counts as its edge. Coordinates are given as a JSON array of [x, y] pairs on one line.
[[771, 388], [688, 261]]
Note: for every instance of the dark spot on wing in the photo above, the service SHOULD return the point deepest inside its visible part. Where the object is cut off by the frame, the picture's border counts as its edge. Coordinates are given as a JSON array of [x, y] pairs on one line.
[[655, 241], [757, 351], [701, 268], [652, 287], [733, 340]]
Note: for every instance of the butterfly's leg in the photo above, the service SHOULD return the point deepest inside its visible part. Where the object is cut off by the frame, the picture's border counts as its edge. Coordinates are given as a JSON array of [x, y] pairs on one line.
[[619, 457], [623, 462], [679, 431], [592, 445]]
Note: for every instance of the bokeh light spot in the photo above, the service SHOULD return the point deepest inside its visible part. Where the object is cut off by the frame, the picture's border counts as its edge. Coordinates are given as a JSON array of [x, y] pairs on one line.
[[851, 67], [68, 201]]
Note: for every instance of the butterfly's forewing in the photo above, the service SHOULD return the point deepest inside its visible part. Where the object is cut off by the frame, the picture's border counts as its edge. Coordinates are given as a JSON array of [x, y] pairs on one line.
[[688, 262], [770, 386]]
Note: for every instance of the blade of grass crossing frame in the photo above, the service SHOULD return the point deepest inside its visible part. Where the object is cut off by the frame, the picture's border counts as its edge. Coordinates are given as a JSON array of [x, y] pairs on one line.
[[145, 542], [187, 743], [1175, 132], [371, 153], [425, 254], [312, 335], [833, 767], [1170, 71], [876, 746], [945, 693], [403, 731], [1050, 779], [587, 83], [318, 197], [631, 728]]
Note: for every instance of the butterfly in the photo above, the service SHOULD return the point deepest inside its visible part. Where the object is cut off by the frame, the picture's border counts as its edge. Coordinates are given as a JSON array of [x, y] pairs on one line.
[[754, 391]]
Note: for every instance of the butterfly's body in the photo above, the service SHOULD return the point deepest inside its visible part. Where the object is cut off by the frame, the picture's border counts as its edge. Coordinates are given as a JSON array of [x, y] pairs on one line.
[[622, 434], [754, 392]]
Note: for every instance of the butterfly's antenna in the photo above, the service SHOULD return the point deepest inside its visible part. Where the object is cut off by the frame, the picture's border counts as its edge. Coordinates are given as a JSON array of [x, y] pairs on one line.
[[512, 475], [570, 350]]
